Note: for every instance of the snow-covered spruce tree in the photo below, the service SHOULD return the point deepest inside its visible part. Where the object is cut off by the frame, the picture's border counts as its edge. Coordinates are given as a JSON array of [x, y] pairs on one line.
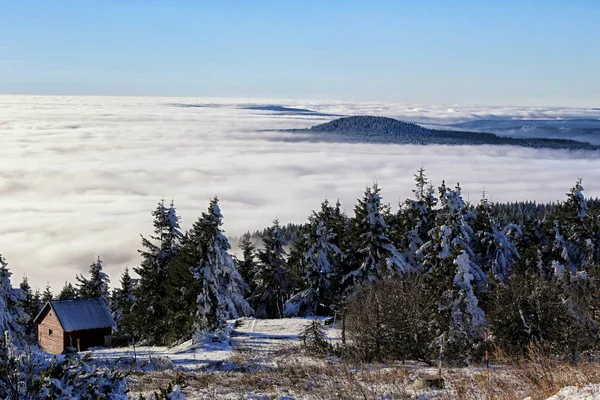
[[497, 247], [338, 224], [12, 315], [574, 263], [157, 255], [450, 263], [272, 286], [97, 284], [247, 263], [320, 262], [68, 292], [221, 295], [575, 238], [415, 219], [375, 255]]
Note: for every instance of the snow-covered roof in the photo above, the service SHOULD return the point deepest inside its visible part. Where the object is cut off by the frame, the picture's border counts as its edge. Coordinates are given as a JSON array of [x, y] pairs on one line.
[[80, 314]]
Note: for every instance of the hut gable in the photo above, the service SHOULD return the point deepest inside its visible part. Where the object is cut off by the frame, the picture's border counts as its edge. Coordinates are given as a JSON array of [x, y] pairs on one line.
[[49, 331], [77, 323]]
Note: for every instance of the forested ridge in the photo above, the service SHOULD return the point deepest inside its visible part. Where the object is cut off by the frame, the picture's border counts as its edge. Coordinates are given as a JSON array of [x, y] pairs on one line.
[[389, 130]]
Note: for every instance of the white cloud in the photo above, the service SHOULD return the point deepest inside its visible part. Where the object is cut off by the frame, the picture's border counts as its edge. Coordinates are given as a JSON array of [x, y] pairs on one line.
[[80, 175]]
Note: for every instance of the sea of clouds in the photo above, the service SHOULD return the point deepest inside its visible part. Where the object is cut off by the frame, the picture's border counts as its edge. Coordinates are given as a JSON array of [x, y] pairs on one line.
[[79, 176]]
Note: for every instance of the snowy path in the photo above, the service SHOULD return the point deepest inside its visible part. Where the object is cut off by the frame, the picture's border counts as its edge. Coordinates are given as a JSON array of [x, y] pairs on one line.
[[251, 335], [267, 335]]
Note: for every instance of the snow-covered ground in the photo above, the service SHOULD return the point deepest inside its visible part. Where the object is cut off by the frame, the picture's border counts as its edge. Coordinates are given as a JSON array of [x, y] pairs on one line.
[[250, 335], [589, 392], [260, 362]]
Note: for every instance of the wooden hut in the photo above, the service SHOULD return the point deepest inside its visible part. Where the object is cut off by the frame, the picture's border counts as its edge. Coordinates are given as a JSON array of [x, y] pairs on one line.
[[75, 325]]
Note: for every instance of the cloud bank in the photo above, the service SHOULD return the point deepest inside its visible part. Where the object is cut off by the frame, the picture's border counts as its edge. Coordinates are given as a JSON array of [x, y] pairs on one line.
[[79, 176]]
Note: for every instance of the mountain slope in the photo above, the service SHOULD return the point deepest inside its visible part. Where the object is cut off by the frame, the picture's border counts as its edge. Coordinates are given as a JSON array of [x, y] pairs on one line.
[[390, 130]]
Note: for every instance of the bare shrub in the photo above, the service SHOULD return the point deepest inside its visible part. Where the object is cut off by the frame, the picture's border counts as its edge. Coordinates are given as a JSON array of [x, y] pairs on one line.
[[531, 309], [393, 320]]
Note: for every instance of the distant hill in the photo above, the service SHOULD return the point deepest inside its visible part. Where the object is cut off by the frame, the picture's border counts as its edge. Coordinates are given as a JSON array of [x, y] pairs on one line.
[[284, 110], [390, 130]]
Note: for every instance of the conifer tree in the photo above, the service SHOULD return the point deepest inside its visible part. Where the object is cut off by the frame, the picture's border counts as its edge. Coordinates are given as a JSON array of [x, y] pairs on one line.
[[221, 295], [247, 264], [182, 290], [296, 264], [96, 285], [68, 292], [158, 253], [336, 222], [496, 243], [47, 294], [272, 285], [376, 255], [320, 262], [12, 316], [30, 306], [415, 218], [37, 299], [122, 301], [575, 234], [27, 293], [450, 262]]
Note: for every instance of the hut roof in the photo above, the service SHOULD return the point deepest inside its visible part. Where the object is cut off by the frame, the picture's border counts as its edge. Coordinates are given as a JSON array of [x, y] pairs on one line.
[[80, 314]]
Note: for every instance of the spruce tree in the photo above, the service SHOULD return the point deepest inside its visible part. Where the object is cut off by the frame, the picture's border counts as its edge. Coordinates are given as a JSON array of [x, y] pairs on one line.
[[30, 306], [68, 292], [336, 222], [96, 285], [221, 295], [575, 238], [497, 244], [296, 264], [37, 300], [247, 263], [27, 294], [272, 284], [122, 301], [320, 261], [375, 254], [455, 276], [182, 290], [415, 218], [47, 294], [158, 253]]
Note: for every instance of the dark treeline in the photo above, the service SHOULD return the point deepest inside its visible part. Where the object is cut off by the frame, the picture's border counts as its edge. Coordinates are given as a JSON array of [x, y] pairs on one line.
[[289, 233], [439, 267], [363, 128]]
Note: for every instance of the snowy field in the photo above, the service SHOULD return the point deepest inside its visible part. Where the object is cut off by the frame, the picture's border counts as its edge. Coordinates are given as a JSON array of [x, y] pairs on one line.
[[265, 360], [80, 175]]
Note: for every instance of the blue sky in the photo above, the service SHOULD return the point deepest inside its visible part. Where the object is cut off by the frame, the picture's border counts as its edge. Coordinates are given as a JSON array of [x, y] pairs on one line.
[[467, 52]]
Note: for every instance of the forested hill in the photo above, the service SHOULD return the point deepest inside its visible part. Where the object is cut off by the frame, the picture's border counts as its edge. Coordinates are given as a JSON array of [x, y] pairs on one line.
[[390, 130]]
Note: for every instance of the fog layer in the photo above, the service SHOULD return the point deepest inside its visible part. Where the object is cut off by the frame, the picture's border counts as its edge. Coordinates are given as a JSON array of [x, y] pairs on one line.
[[79, 176]]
